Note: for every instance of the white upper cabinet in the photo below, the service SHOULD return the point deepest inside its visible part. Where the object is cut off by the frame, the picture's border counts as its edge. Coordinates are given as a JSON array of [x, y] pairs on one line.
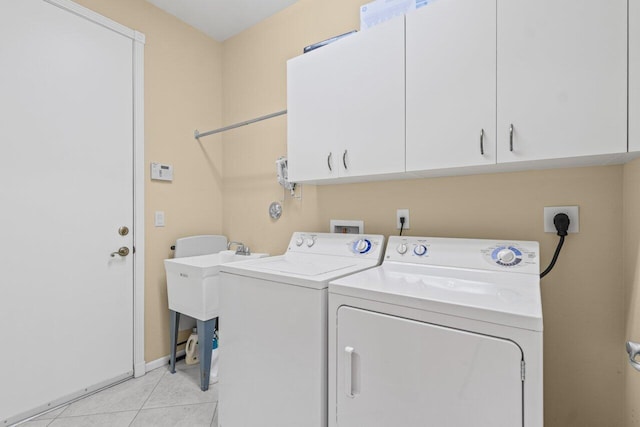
[[562, 78], [346, 107], [634, 75], [451, 85], [475, 86]]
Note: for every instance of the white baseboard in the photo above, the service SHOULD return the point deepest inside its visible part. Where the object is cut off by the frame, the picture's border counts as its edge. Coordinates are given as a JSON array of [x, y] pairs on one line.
[[163, 361], [139, 369]]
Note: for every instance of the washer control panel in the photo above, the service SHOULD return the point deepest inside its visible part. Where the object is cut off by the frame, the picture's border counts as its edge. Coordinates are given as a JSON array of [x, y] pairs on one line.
[[361, 246], [521, 256], [348, 245]]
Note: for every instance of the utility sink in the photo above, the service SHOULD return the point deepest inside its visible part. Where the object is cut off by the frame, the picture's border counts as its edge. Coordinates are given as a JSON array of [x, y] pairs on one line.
[[193, 282]]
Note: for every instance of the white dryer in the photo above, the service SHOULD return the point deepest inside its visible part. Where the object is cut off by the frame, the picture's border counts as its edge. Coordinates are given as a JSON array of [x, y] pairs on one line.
[[446, 332], [273, 345]]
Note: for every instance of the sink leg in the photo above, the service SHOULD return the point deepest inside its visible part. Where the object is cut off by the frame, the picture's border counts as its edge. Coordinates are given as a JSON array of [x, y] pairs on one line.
[[174, 321], [206, 329]]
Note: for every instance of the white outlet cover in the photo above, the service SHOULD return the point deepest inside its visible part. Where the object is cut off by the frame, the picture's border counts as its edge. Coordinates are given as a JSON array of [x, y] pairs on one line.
[[573, 213], [405, 214]]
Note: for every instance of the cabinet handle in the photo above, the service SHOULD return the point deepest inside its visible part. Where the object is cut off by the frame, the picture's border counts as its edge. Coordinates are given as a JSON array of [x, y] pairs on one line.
[[329, 162], [482, 142], [511, 137], [344, 159], [348, 373]]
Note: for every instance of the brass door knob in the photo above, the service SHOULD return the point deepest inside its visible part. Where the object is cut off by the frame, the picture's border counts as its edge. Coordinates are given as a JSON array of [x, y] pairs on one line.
[[123, 251]]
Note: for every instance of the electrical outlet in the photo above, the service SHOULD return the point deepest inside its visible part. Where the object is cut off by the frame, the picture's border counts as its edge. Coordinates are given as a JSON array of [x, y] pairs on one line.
[[405, 214], [571, 211]]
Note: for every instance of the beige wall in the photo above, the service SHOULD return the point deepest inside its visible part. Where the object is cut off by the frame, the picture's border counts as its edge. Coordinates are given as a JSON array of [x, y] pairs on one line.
[[582, 297], [183, 80], [631, 226]]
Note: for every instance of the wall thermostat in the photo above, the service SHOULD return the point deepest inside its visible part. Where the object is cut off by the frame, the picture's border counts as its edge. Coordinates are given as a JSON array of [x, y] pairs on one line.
[[161, 172]]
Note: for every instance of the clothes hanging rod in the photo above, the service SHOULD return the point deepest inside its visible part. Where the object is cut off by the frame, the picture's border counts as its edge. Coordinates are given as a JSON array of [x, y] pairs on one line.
[[199, 135]]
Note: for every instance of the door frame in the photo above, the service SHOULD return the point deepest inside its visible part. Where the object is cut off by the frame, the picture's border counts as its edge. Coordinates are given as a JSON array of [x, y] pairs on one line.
[[138, 40]]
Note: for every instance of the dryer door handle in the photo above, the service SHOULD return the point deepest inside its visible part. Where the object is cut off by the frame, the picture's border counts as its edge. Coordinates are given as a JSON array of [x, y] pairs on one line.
[[348, 371]]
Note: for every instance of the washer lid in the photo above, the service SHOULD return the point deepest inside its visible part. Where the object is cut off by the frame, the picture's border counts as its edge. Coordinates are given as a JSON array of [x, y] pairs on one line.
[[503, 298], [308, 271], [312, 260]]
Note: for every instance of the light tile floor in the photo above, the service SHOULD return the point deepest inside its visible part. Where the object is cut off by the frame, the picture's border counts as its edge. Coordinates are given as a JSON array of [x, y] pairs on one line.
[[157, 399]]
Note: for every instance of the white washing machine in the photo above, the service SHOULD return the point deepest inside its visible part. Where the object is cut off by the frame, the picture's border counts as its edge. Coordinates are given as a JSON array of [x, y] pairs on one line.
[[273, 345], [446, 332]]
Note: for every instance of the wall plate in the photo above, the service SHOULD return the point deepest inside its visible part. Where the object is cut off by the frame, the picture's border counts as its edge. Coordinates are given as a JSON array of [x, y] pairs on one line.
[[571, 211], [346, 226], [404, 213]]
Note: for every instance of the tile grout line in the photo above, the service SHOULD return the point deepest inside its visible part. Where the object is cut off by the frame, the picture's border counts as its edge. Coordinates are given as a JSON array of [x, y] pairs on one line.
[[99, 392], [61, 415], [96, 413], [215, 413], [148, 397]]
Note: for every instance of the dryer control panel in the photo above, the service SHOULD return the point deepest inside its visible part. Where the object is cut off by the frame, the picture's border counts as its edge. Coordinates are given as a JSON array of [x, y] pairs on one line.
[[344, 245], [496, 255]]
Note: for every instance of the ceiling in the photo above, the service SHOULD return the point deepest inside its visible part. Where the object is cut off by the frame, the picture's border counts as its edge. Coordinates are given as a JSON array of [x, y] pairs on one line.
[[221, 19]]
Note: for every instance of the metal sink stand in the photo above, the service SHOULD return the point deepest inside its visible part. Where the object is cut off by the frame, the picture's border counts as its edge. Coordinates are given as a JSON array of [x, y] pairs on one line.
[[206, 329]]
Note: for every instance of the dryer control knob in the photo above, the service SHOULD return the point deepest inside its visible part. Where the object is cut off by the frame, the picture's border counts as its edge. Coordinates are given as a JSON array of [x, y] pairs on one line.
[[402, 248], [311, 241], [420, 250], [299, 241], [506, 256]]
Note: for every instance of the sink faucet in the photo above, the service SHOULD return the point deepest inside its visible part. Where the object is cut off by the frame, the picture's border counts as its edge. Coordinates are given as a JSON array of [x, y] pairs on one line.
[[241, 249]]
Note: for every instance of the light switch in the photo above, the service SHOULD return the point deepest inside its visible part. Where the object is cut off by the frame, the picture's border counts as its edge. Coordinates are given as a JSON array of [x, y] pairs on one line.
[[159, 219]]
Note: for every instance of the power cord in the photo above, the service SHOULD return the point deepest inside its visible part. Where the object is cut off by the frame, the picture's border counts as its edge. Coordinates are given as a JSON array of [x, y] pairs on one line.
[[561, 222], [401, 224]]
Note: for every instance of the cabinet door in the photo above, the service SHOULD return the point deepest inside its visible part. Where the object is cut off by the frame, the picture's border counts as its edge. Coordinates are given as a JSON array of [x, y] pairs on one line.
[[451, 85], [634, 75], [310, 137], [397, 372], [562, 78], [345, 105]]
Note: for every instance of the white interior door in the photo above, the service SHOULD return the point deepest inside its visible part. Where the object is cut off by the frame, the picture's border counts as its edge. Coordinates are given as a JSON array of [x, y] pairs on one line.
[[66, 185], [397, 372]]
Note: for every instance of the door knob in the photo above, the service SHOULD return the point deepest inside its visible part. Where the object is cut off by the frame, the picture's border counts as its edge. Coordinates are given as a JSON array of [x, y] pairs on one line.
[[123, 251]]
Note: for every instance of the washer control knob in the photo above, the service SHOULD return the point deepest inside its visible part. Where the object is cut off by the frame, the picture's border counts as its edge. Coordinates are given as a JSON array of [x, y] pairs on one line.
[[420, 250], [402, 248], [362, 246], [311, 241], [299, 241], [506, 256]]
